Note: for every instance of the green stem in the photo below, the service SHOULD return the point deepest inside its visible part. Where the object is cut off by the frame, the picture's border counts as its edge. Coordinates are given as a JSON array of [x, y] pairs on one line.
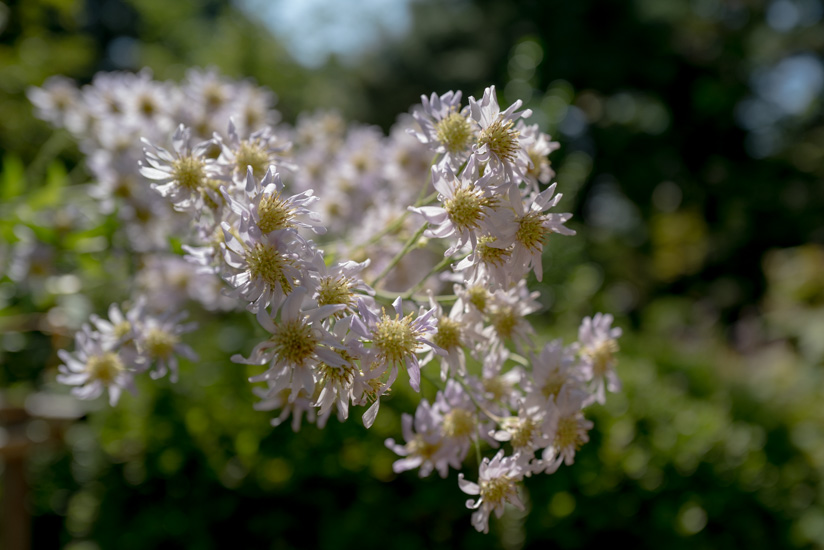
[[47, 153], [492, 416], [440, 265], [410, 243]]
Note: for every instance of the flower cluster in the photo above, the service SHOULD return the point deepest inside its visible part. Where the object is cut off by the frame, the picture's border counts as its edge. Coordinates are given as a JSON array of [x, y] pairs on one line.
[[110, 352], [364, 258]]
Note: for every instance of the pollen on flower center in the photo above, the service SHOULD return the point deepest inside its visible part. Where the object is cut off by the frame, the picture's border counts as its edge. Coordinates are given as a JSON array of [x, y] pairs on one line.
[[553, 385], [121, 329], [189, 172], [333, 291], [454, 132], [537, 163], [568, 433], [160, 343], [496, 490], [274, 213], [449, 334], [490, 254], [294, 342], [395, 339], [478, 295], [458, 423], [423, 448], [531, 231], [104, 367], [340, 376], [602, 355], [250, 153], [522, 430], [267, 263], [466, 207], [504, 320], [500, 139]]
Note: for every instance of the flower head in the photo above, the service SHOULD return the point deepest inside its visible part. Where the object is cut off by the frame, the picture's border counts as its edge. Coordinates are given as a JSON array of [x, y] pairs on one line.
[[497, 484]]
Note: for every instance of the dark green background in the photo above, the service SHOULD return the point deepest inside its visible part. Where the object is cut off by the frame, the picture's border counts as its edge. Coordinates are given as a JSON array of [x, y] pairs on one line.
[[716, 442]]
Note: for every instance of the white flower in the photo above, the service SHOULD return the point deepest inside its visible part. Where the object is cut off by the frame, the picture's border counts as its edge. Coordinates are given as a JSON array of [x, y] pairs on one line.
[[455, 332], [445, 127], [396, 340], [93, 368], [158, 342], [119, 330], [553, 370], [340, 384], [461, 422], [498, 142], [297, 345], [507, 312], [58, 102], [260, 151], [570, 432], [424, 446], [538, 146], [533, 227], [489, 263], [264, 204], [497, 485], [339, 284], [263, 269], [468, 206], [182, 176], [598, 346], [533, 428]]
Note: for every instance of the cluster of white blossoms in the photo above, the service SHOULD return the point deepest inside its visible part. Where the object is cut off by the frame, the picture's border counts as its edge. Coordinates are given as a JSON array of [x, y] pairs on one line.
[[363, 257]]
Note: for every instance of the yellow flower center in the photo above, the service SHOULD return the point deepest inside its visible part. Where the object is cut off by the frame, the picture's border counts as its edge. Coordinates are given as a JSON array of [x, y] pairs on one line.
[[496, 490], [521, 430], [449, 333], [466, 207], [423, 448], [458, 423], [160, 344], [274, 213], [104, 367], [343, 375], [294, 342], [602, 355], [504, 320], [478, 296], [500, 139], [531, 231], [267, 263], [490, 254], [333, 291], [568, 433], [553, 384], [454, 132], [395, 339], [189, 172], [121, 329], [252, 153]]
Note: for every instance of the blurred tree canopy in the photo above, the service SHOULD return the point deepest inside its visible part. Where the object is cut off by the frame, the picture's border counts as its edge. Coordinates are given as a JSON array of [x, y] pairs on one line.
[[687, 166]]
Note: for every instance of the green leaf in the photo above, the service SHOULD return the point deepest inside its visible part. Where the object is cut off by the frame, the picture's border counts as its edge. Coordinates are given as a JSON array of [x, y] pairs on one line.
[[13, 178], [51, 193]]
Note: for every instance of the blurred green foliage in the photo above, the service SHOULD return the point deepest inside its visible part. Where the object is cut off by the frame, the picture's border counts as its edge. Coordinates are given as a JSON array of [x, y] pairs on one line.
[[702, 243]]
